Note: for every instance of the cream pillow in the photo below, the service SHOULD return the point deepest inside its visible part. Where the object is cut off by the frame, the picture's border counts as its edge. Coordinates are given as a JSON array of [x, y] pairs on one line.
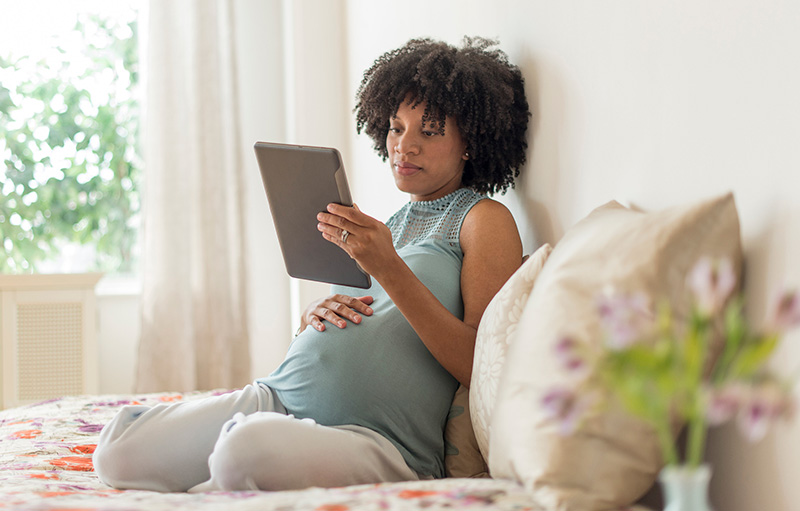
[[496, 329], [613, 458]]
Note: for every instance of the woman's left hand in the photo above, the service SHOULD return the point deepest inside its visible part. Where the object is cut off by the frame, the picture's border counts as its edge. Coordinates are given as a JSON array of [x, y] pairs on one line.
[[368, 240]]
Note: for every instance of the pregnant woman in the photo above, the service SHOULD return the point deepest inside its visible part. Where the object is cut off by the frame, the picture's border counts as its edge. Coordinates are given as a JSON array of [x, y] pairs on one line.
[[366, 386]]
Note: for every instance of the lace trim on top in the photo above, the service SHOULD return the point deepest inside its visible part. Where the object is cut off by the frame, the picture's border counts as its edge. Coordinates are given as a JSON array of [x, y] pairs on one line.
[[438, 219]]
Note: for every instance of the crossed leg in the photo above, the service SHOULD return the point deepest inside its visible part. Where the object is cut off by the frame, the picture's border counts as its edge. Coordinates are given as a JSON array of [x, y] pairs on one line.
[[269, 451]]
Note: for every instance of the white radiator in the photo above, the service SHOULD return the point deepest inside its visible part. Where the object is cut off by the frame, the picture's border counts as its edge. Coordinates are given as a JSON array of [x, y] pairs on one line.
[[49, 330]]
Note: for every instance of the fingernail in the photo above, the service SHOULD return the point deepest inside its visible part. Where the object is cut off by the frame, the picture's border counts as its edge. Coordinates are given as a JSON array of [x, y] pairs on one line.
[[341, 324], [319, 216], [357, 319], [369, 310]]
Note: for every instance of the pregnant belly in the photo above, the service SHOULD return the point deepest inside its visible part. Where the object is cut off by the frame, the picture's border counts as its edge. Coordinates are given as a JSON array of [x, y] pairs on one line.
[[361, 374]]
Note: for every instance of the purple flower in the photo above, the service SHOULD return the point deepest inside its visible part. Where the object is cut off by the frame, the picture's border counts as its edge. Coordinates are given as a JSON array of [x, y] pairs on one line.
[[625, 318], [566, 406], [568, 353], [725, 402], [766, 404], [712, 282], [46, 402], [754, 420], [787, 313], [89, 428], [114, 404]]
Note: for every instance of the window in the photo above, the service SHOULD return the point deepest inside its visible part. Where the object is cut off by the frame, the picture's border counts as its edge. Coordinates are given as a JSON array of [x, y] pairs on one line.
[[69, 122]]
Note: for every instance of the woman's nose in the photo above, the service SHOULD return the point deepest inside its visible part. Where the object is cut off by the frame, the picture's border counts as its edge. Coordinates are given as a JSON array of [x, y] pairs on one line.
[[406, 143]]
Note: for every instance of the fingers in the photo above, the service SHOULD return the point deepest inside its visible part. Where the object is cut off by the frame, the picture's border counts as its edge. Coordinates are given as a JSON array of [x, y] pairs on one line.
[[338, 309], [350, 307], [361, 304], [335, 236], [344, 217], [335, 221], [333, 227], [368, 240], [352, 214], [331, 317], [317, 324], [361, 228]]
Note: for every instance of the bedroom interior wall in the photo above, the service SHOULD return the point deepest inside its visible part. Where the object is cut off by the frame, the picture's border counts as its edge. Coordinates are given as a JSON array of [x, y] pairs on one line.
[[653, 104]]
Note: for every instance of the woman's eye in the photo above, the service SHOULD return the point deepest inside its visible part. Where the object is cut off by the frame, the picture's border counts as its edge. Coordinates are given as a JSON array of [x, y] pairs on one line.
[[430, 133], [394, 130]]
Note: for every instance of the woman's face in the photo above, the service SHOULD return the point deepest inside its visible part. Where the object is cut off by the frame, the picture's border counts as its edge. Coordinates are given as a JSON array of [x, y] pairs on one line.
[[425, 164]]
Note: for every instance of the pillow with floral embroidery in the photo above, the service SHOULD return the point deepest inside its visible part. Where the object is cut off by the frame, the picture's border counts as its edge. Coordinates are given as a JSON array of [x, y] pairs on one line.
[[496, 329]]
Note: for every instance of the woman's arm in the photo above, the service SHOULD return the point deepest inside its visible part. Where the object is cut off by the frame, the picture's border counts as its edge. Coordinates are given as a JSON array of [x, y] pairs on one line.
[[492, 252]]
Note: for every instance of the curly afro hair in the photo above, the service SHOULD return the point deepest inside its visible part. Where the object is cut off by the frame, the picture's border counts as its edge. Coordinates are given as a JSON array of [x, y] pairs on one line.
[[474, 84]]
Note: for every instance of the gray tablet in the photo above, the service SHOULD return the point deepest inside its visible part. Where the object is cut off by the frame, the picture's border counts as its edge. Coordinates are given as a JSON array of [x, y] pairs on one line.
[[301, 181]]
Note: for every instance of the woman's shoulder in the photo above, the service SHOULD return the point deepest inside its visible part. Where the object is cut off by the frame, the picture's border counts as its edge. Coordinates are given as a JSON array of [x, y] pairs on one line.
[[488, 210], [488, 219]]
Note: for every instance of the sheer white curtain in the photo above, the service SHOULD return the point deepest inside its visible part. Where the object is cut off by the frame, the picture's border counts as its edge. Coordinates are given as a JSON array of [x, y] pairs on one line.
[[221, 74], [194, 314]]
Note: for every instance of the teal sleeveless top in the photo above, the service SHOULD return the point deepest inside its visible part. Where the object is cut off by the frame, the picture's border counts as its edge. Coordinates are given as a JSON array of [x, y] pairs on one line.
[[379, 374]]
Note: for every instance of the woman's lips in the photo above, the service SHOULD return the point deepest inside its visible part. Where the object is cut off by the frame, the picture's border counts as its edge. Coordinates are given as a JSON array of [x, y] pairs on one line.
[[405, 168]]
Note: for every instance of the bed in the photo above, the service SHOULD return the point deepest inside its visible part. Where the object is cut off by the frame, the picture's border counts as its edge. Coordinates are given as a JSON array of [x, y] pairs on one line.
[[46, 464]]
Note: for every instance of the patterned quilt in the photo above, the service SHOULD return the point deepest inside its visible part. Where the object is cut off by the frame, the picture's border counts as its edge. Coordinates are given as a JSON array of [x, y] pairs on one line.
[[46, 464]]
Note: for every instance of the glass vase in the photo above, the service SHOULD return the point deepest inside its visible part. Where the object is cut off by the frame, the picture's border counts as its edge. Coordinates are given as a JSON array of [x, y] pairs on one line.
[[685, 488]]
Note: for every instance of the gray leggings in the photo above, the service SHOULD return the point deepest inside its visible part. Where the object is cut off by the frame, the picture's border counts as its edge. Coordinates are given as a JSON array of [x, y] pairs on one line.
[[243, 440]]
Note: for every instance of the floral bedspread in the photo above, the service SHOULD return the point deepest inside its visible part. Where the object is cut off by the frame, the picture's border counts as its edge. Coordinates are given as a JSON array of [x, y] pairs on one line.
[[46, 464]]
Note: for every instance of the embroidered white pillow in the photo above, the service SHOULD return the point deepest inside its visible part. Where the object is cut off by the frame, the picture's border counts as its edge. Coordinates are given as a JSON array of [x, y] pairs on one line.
[[496, 329]]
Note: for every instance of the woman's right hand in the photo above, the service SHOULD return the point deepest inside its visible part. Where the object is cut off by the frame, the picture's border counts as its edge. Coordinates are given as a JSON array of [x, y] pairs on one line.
[[336, 309]]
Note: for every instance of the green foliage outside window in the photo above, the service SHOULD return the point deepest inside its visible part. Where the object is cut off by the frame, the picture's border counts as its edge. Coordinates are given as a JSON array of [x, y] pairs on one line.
[[70, 165]]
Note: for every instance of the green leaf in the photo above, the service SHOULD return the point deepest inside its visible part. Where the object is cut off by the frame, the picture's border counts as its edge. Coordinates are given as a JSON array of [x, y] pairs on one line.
[[753, 356]]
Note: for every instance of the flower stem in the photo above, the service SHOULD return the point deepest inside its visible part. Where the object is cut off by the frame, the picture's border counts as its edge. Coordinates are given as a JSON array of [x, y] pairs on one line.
[[697, 440], [667, 443]]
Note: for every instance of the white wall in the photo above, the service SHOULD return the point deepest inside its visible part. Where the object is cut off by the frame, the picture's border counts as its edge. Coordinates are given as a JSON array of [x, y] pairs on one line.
[[118, 327], [653, 103]]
